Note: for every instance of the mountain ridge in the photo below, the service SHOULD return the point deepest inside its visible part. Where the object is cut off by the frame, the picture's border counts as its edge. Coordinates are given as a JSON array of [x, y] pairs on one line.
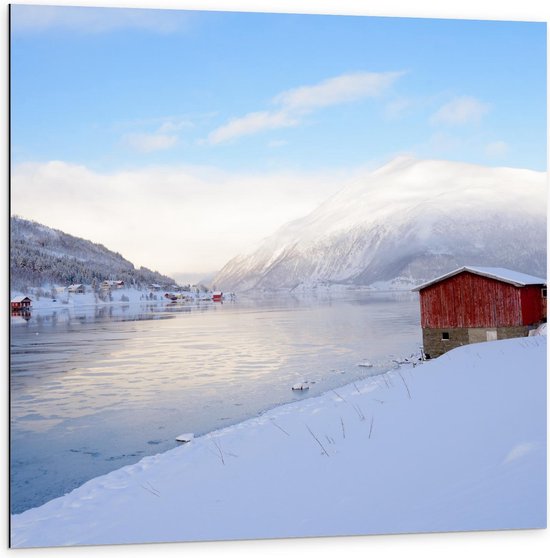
[[404, 223]]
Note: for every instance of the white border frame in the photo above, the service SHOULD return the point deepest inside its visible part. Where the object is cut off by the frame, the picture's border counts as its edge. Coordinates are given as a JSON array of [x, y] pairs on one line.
[[504, 544]]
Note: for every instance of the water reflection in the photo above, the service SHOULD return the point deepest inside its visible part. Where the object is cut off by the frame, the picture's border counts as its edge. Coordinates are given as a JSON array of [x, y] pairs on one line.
[[97, 388]]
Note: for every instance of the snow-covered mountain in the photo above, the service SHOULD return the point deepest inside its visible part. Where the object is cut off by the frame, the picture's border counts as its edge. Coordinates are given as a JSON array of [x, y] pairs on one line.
[[405, 223], [40, 256]]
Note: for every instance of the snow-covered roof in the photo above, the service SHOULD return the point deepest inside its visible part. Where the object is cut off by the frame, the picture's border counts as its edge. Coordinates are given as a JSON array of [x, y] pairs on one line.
[[20, 298], [500, 273]]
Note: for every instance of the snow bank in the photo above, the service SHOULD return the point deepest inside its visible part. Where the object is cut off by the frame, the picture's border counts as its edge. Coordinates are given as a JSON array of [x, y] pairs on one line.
[[458, 443]]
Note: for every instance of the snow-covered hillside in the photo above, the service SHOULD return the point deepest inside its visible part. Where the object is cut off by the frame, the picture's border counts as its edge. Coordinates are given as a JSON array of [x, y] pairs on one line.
[[406, 222], [457, 443]]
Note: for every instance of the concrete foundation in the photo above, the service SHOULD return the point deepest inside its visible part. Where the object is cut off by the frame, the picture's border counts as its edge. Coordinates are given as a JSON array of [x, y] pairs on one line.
[[440, 340]]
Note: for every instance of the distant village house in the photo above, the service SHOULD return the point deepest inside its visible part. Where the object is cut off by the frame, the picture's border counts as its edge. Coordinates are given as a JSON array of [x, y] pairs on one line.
[[20, 303], [107, 284], [474, 304], [76, 289]]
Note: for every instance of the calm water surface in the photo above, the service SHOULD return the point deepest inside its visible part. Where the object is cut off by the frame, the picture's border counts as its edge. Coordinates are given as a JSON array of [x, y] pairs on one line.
[[93, 390]]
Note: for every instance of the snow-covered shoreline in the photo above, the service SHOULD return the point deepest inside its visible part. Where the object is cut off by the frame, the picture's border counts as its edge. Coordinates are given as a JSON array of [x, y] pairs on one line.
[[125, 295], [458, 443]]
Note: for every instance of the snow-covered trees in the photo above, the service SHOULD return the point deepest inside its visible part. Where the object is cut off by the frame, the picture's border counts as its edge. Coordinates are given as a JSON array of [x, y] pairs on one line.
[[41, 256]]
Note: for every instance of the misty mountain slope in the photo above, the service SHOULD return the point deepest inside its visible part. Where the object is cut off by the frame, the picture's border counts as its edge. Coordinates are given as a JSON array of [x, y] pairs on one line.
[[41, 256], [406, 222]]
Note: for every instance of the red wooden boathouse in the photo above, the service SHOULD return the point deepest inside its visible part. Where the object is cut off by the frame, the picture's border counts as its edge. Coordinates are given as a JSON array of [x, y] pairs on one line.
[[20, 303], [473, 304]]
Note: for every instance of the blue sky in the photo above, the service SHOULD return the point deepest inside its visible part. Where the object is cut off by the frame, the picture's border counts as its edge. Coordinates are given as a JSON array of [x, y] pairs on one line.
[[106, 92]]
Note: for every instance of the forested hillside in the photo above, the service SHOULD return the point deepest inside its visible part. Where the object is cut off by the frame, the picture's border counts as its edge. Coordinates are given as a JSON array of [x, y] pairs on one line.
[[41, 256]]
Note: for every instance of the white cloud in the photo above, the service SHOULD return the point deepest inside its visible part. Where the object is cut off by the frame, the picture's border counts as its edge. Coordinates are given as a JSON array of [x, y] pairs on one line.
[[519, 451], [148, 143], [336, 90], [295, 103], [164, 137], [252, 123], [174, 125], [459, 111], [497, 149], [211, 215], [36, 18]]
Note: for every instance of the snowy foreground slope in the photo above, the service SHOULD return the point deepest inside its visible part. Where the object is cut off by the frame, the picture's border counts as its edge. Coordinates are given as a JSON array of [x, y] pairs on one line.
[[458, 443]]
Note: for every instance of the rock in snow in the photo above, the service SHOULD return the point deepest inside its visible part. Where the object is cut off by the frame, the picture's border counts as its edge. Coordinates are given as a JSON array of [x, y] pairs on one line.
[[184, 438], [459, 444], [300, 386]]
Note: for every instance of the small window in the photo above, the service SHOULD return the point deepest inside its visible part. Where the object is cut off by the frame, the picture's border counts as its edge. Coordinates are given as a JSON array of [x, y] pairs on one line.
[[492, 335], [544, 292], [445, 335]]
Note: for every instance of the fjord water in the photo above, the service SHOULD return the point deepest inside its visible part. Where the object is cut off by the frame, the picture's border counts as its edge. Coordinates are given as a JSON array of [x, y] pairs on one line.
[[95, 389]]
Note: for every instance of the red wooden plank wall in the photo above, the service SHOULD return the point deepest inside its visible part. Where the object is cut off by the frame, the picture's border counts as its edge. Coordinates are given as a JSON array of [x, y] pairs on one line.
[[532, 304], [470, 300]]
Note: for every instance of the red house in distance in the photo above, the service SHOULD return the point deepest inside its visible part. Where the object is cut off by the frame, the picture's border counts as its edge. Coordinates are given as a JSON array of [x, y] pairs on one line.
[[474, 304], [20, 303]]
